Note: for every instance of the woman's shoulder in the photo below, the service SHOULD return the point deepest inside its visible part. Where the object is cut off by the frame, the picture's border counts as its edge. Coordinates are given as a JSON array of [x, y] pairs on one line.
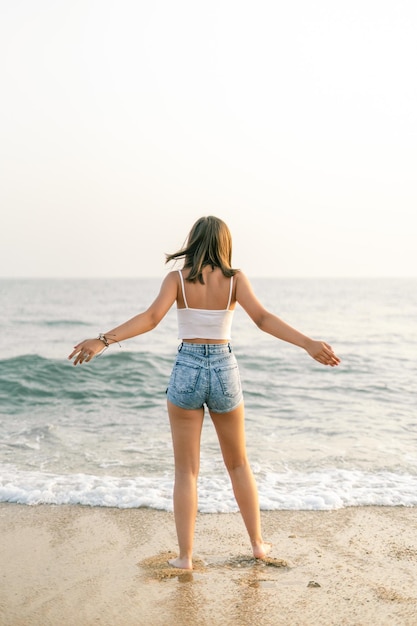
[[240, 276], [243, 285], [172, 278]]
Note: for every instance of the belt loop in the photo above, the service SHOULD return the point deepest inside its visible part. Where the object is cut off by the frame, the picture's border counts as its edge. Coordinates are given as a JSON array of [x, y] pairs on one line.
[[180, 346], [205, 349], [230, 347]]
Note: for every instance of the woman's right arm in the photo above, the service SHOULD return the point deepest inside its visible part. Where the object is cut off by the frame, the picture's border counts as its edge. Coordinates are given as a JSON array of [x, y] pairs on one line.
[[272, 324], [137, 325]]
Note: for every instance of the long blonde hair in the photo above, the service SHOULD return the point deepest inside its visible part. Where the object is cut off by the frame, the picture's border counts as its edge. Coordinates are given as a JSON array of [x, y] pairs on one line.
[[209, 242]]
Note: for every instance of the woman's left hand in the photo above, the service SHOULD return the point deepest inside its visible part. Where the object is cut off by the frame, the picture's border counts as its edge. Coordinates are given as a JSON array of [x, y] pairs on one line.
[[86, 350], [323, 353]]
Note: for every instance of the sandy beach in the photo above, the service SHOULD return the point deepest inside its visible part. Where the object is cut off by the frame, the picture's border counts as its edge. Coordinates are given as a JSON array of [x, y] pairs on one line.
[[79, 566]]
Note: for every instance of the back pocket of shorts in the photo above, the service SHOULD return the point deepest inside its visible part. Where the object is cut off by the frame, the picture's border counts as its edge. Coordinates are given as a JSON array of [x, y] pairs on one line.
[[185, 377], [229, 380]]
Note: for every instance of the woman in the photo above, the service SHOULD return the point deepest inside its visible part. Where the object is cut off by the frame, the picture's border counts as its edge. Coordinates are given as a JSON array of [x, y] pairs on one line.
[[205, 372]]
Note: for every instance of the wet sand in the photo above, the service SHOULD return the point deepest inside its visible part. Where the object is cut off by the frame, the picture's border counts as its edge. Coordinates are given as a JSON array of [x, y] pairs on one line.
[[79, 566]]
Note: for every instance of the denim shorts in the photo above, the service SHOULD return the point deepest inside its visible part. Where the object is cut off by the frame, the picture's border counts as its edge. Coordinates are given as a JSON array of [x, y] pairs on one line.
[[205, 374]]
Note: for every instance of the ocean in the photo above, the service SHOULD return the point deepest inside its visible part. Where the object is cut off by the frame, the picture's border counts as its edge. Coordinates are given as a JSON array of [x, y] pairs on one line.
[[318, 438]]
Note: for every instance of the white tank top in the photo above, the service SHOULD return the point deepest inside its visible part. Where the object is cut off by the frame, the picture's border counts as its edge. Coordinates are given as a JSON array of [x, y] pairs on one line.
[[205, 323]]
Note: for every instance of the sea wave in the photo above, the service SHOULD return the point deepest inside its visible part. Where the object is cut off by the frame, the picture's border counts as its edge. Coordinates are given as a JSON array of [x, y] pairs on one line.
[[30, 380], [321, 490], [77, 323]]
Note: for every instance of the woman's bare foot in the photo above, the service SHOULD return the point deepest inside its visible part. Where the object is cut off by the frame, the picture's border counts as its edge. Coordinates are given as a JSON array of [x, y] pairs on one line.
[[260, 550], [184, 563]]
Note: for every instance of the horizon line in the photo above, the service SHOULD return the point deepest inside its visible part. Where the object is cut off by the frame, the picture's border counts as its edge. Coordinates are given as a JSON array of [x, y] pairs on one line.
[[254, 277]]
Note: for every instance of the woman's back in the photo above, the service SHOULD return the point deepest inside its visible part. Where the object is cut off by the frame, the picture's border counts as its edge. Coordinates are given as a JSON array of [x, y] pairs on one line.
[[216, 294], [204, 311]]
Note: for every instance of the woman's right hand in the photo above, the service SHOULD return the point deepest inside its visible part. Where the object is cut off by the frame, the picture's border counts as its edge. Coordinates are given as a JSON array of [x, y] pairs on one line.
[[86, 350]]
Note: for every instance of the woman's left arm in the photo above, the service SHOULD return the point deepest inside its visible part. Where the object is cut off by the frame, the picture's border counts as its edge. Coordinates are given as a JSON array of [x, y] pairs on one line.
[[275, 326]]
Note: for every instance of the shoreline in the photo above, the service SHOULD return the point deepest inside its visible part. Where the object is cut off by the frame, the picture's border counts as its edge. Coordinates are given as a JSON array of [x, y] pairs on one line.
[[71, 565]]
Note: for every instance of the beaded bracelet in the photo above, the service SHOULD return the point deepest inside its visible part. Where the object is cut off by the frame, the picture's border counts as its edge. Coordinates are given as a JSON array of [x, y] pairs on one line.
[[103, 338]]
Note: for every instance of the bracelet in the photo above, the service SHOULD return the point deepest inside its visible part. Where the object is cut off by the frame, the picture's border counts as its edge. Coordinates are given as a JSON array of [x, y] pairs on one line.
[[103, 338]]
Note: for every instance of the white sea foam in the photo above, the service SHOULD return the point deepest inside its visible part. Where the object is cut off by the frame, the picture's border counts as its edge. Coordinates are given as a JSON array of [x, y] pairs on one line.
[[322, 490]]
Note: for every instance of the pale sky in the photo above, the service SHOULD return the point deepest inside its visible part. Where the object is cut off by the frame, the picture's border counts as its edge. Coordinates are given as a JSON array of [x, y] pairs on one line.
[[123, 121]]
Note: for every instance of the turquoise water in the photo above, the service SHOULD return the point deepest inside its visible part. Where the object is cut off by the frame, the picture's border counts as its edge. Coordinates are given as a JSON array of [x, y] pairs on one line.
[[318, 438]]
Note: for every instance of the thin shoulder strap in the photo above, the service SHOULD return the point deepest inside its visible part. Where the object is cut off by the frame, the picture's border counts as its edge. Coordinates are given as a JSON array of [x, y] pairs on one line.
[[230, 292], [183, 290]]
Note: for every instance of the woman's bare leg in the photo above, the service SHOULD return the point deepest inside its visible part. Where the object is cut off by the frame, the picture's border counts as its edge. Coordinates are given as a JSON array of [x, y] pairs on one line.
[[230, 429], [186, 428]]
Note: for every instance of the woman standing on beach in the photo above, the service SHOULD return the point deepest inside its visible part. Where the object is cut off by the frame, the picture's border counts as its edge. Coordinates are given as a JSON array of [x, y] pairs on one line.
[[205, 372]]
